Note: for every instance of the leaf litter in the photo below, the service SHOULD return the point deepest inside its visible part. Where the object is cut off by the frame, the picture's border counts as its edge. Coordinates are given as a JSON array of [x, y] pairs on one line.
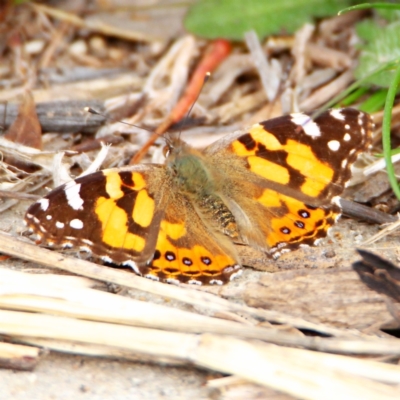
[[263, 329]]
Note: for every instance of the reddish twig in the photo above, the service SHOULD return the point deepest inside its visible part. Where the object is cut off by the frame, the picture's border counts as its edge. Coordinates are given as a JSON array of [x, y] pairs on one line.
[[215, 54]]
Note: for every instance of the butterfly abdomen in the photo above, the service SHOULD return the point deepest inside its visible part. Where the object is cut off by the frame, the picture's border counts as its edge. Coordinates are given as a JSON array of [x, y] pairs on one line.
[[192, 177], [213, 209]]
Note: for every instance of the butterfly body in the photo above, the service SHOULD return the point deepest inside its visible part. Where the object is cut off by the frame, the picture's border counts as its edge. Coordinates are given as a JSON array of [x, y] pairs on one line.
[[273, 187]]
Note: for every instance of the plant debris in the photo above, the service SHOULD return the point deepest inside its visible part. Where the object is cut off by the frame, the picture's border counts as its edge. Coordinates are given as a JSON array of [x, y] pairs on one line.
[[302, 326]]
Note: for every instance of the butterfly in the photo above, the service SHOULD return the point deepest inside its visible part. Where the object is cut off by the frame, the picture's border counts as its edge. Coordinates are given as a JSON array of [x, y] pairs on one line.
[[274, 187]]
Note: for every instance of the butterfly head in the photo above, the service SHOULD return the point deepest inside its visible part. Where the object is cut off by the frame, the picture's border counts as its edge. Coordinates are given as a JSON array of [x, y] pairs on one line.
[[187, 167]]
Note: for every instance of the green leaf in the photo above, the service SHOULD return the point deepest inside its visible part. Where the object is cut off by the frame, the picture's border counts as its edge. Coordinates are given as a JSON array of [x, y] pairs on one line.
[[230, 19], [390, 14], [383, 47], [368, 29]]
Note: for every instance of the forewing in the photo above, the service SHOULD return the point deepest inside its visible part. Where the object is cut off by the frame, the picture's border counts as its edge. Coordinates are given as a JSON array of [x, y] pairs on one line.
[[300, 157], [285, 174], [114, 214]]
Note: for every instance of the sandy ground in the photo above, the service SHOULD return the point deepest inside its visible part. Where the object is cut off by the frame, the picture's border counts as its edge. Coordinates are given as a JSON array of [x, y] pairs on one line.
[[62, 376]]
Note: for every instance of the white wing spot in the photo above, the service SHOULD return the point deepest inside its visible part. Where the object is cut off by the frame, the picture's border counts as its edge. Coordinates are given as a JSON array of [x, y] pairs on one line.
[[133, 265], [309, 126], [106, 259], [196, 282], [60, 224], [86, 249], [344, 163], [347, 126], [215, 282], [44, 204], [334, 145], [337, 113], [76, 224], [49, 217], [72, 190], [172, 281], [346, 137]]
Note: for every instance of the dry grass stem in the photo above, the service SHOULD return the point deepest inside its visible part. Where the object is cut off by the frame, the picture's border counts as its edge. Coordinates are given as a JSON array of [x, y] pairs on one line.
[[173, 67], [91, 350], [389, 229], [301, 60], [379, 165], [327, 92], [282, 370], [299, 372], [270, 71], [17, 248], [95, 26], [156, 316], [224, 78], [327, 57]]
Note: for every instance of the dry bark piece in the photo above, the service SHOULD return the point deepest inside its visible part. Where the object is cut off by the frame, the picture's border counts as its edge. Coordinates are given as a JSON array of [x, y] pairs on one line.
[[63, 116], [14, 356], [333, 296]]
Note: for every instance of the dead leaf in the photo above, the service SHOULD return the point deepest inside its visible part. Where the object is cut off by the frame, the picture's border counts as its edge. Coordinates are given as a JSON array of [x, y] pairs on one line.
[[26, 128]]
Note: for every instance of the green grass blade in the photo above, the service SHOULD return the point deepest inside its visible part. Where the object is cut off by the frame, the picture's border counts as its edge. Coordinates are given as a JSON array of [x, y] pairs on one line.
[[386, 125], [360, 82], [375, 102], [353, 97], [364, 6]]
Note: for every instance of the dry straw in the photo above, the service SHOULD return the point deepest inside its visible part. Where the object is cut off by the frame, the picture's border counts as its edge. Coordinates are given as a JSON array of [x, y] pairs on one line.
[[65, 313]]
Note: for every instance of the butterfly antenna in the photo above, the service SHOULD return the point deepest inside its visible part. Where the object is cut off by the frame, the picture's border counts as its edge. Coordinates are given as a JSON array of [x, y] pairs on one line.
[[206, 77], [93, 111]]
